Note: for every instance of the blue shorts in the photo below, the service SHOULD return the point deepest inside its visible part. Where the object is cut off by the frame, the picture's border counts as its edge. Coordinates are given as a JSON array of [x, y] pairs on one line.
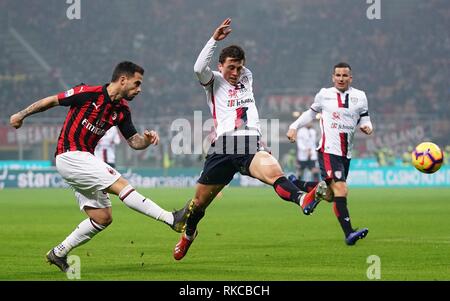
[[227, 156], [333, 167]]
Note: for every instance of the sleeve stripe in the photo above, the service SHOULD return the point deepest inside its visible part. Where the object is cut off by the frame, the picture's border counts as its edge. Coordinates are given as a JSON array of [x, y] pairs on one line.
[[208, 83], [364, 114]]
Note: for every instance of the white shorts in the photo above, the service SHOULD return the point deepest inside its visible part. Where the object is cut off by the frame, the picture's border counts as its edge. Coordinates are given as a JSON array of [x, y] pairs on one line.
[[97, 199], [88, 176]]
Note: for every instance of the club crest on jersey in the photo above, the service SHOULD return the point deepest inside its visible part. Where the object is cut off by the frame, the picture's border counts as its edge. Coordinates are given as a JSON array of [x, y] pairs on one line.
[[111, 171], [114, 115], [354, 100], [336, 116], [68, 93]]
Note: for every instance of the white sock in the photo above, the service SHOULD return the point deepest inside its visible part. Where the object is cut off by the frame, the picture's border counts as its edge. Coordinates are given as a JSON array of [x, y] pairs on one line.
[[82, 234], [140, 203]]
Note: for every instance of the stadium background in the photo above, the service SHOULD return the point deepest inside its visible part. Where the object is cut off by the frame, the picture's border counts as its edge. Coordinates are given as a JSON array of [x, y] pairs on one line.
[[401, 61]]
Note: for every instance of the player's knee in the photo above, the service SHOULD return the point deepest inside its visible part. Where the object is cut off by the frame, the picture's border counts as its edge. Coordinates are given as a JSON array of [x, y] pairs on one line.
[[108, 220], [340, 189], [118, 186], [201, 201], [104, 220], [274, 177]]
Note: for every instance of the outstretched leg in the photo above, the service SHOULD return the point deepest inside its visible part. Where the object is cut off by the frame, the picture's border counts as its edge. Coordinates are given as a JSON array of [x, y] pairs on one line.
[[266, 168], [196, 207], [136, 201], [303, 185], [99, 219]]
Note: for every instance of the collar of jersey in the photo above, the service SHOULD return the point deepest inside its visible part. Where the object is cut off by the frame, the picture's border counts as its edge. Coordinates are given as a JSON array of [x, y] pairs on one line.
[[107, 98], [346, 91]]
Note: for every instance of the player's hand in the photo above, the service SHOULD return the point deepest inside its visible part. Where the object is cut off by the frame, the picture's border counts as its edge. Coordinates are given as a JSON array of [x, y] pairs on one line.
[[152, 137], [366, 129], [292, 135], [223, 30], [16, 120]]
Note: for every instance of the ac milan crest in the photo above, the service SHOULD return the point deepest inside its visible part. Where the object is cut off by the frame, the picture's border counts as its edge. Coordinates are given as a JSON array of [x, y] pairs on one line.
[[111, 171], [69, 93]]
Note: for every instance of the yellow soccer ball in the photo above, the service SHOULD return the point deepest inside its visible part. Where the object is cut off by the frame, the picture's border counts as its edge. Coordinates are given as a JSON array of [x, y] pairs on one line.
[[427, 157]]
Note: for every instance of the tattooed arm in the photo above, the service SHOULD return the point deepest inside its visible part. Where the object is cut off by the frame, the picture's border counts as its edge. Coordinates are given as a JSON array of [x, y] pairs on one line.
[[42, 105], [138, 141]]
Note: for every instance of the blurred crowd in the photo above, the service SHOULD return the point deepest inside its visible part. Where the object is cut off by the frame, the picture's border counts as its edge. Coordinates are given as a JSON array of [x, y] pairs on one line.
[[401, 61]]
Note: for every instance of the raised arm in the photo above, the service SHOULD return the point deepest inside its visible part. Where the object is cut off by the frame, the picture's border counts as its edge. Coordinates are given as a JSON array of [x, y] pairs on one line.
[[41, 105], [201, 66]]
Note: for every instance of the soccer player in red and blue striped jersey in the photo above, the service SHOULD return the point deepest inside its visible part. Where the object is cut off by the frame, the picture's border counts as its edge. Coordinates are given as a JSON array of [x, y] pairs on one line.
[[342, 109]]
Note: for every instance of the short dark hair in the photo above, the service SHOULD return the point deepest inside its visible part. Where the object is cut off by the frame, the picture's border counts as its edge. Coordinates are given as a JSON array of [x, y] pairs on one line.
[[341, 65], [235, 52], [126, 68]]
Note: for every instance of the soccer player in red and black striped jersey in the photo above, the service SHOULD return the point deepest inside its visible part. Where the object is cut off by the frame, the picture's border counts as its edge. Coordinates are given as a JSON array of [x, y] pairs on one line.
[[93, 110], [343, 109]]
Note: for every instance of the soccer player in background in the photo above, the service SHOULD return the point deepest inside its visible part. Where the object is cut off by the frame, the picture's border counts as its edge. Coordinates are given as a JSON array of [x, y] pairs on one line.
[[306, 153], [106, 146], [94, 110], [236, 145], [342, 109]]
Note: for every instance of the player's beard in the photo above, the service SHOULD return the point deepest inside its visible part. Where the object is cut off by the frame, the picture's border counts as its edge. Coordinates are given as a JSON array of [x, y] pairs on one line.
[[129, 97]]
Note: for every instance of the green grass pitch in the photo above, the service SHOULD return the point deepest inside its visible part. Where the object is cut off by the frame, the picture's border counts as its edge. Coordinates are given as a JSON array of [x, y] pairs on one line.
[[247, 234]]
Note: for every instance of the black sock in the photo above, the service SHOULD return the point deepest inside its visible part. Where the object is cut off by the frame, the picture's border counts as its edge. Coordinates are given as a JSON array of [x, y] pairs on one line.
[[305, 186], [341, 211], [193, 219], [286, 190]]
